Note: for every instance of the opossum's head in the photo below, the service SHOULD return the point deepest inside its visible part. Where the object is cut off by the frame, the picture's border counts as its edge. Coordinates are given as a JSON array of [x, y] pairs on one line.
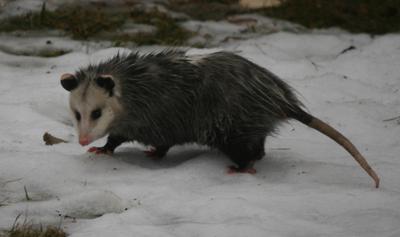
[[94, 103]]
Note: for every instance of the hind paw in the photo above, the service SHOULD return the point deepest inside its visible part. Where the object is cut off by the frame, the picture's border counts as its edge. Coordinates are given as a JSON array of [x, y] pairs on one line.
[[100, 150], [235, 170], [153, 153]]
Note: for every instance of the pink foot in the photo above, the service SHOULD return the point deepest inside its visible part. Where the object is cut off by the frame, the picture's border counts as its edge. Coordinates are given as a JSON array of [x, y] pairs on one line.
[[234, 170], [152, 153], [99, 150]]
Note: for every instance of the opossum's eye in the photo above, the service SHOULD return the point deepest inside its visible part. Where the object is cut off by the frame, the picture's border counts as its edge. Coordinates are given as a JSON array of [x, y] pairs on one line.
[[77, 115], [95, 114]]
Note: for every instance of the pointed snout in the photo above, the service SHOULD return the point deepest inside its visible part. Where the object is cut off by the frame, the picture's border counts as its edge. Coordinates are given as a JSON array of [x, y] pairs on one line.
[[84, 140]]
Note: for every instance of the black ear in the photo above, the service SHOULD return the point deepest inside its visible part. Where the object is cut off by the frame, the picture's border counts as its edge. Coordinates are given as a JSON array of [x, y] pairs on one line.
[[69, 81], [106, 82]]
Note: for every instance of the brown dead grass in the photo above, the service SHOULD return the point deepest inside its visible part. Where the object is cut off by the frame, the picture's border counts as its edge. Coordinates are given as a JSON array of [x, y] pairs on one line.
[[26, 229], [31, 231]]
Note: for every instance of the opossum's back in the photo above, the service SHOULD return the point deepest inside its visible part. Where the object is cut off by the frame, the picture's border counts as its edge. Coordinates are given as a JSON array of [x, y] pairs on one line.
[[246, 86], [203, 100]]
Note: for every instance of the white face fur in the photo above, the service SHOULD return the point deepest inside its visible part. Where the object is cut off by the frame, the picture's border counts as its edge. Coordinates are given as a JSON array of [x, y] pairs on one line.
[[94, 109]]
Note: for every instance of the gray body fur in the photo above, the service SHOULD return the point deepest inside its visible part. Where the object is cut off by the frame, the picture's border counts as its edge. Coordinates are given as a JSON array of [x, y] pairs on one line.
[[221, 100], [169, 100]]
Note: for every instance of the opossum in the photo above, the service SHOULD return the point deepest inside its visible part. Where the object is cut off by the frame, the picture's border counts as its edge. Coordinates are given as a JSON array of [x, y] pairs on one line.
[[168, 98]]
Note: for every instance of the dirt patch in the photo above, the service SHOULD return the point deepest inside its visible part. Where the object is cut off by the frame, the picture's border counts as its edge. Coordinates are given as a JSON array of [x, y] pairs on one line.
[[368, 16], [88, 22]]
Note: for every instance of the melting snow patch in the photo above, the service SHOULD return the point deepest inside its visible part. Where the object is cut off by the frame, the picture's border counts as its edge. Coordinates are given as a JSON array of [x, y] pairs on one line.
[[92, 204]]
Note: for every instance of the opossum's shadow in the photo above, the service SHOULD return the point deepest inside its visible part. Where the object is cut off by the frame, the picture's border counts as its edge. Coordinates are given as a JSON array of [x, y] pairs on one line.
[[174, 157], [275, 167], [272, 166]]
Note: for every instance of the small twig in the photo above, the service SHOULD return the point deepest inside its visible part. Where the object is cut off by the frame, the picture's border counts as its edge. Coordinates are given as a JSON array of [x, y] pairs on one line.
[[391, 119], [26, 194], [62, 216], [15, 224], [316, 66], [351, 47]]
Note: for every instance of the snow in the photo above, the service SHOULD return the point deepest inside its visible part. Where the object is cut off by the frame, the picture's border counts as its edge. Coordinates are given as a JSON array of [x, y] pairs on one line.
[[236, 27], [35, 45], [305, 186]]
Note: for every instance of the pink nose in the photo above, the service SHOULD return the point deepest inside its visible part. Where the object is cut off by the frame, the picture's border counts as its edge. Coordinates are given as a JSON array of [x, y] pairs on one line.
[[84, 141]]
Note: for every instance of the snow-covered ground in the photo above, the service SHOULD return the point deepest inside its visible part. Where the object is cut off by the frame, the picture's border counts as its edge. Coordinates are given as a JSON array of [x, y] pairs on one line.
[[305, 186]]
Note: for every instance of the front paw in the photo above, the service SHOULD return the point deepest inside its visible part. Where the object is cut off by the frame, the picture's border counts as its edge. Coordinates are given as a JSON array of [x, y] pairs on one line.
[[100, 150]]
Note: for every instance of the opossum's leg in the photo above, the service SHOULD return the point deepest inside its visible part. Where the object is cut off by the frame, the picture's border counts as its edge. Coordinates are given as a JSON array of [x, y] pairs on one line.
[[249, 169], [244, 153], [158, 151], [112, 143]]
